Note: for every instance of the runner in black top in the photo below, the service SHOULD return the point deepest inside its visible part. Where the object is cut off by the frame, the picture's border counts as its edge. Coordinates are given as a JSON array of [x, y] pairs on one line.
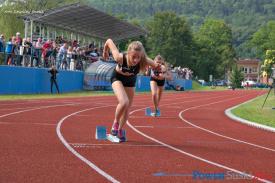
[[157, 81], [124, 79]]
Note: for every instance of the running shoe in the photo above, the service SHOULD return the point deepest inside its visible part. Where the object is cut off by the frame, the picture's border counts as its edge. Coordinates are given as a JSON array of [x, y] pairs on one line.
[[114, 129], [121, 136], [157, 112]]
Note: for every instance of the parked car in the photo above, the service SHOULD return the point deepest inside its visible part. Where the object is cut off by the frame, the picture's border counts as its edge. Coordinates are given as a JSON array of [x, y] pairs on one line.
[[248, 83], [221, 83]]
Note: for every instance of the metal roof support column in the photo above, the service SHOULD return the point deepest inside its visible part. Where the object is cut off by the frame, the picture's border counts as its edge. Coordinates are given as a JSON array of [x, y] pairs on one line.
[[40, 30], [43, 33], [31, 30], [48, 34], [26, 27]]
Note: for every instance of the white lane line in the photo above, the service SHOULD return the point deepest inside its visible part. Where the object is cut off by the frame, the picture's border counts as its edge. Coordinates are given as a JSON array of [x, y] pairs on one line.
[[218, 134], [194, 156], [164, 127], [19, 123], [37, 108], [144, 126], [82, 158], [197, 157], [159, 117], [80, 145]]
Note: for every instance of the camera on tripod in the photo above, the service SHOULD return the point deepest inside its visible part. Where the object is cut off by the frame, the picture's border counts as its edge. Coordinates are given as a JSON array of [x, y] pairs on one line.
[[271, 83], [273, 77]]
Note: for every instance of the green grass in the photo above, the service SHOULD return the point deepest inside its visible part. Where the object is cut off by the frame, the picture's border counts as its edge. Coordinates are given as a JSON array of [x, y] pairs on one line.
[[253, 110], [198, 87], [63, 95]]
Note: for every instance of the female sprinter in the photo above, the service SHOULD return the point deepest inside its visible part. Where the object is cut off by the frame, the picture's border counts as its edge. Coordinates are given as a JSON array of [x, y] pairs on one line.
[[157, 82], [123, 79]]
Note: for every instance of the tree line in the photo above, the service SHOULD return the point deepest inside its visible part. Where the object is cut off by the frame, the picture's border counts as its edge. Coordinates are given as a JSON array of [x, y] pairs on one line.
[[245, 17]]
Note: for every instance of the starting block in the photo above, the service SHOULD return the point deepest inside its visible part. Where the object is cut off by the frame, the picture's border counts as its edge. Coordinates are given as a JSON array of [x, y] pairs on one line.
[[101, 134], [148, 112]]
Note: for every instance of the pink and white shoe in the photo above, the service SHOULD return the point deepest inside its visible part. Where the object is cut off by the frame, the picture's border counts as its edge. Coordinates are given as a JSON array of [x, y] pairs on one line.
[[114, 129]]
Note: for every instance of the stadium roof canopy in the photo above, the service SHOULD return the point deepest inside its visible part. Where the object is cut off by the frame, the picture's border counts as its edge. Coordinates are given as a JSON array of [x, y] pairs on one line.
[[85, 20]]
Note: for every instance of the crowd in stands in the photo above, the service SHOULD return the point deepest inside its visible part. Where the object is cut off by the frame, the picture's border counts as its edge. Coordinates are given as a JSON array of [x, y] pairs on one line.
[[182, 73], [64, 54]]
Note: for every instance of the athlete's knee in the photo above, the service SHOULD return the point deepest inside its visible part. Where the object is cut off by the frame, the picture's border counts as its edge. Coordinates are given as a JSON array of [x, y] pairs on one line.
[[124, 102], [154, 94]]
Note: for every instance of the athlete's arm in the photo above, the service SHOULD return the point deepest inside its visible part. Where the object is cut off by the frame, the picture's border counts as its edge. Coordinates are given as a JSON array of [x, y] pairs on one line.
[[110, 46], [153, 64]]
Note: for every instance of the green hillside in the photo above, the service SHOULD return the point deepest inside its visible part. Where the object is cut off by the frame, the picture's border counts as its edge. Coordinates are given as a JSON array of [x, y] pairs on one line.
[[245, 17]]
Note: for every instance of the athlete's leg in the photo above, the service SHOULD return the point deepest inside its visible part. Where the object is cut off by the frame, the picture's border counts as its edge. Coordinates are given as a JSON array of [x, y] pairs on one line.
[[154, 88], [123, 101], [130, 91], [159, 91]]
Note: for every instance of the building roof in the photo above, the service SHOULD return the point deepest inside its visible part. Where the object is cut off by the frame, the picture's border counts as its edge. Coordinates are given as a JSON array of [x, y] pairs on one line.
[[249, 61], [85, 20]]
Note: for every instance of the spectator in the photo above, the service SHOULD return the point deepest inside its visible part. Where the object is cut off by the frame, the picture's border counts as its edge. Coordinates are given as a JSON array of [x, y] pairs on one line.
[[69, 56], [2, 43], [38, 51], [47, 50], [11, 51], [61, 60]]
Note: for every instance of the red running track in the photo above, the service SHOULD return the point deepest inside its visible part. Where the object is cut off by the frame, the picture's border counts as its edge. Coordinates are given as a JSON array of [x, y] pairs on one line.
[[193, 141]]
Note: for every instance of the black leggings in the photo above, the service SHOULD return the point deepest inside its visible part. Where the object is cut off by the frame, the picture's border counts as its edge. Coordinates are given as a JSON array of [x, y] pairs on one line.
[[53, 81]]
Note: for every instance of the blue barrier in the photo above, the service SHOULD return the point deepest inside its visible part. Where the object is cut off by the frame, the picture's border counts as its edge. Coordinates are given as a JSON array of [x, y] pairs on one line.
[[26, 80], [143, 83]]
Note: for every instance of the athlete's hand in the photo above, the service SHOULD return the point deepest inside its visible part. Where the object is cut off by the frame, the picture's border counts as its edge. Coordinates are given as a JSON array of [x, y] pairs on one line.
[[158, 67], [105, 55]]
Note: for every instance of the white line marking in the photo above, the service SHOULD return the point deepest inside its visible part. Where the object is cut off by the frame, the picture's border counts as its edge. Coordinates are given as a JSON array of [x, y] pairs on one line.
[[44, 107], [217, 134], [144, 126], [194, 156], [67, 145], [116, 144], [197, 157], [19, 123], [163, 126], [159, 117]]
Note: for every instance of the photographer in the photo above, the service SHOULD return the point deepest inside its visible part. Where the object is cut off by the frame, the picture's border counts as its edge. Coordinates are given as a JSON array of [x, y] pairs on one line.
[[53, 71]]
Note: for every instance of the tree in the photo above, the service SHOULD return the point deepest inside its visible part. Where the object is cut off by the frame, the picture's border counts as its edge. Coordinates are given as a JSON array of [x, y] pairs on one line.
[[236, 77], [269, 63], [215, 49], [170, 36], [264, 39]]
